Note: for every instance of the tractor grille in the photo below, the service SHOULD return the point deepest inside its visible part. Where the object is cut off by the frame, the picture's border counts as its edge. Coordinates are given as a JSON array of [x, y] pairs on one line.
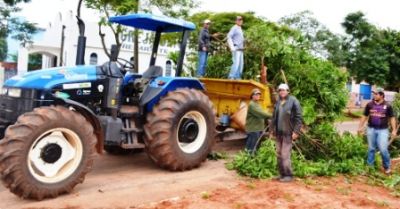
[[11, 108]]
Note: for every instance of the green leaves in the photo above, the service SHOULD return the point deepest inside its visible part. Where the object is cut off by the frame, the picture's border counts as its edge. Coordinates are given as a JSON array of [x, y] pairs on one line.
[[318, 84], [373, 53], [322, 152]]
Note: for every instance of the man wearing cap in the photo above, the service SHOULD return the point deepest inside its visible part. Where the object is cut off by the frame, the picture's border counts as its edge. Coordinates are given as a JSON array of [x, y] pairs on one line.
[[285, 126], [254, 120], [236, 44], [378, 113], [204, 48]]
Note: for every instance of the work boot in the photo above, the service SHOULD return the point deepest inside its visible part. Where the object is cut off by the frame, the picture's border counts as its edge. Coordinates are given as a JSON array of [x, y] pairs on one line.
[[388, 171], [286, 179]]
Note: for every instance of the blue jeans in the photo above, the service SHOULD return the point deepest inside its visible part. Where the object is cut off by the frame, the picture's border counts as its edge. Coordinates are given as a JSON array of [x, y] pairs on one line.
[[237, 66], [378, 138], [201, 68], [251, 141]]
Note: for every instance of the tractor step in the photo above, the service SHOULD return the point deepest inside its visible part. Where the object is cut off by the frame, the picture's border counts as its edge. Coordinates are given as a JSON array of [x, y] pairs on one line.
[[133, 146], [130, 130]]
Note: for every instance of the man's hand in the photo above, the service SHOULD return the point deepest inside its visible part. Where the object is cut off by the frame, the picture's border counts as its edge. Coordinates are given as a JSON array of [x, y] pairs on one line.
[[360, 131], [216, 34], [204, 48], [295, 136], [271, 135], [394, 134]]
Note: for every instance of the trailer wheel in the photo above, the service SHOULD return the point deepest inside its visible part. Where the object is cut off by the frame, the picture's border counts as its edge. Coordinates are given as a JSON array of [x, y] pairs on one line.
[[46, 152], [180, 131]]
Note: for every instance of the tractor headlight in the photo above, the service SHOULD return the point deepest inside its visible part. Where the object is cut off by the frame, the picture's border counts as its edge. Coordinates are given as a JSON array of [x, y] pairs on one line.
[[3, 91], [12, 92]]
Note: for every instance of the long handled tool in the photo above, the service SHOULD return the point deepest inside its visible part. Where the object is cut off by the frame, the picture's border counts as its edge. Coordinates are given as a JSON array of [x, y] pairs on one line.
[[259, 139]]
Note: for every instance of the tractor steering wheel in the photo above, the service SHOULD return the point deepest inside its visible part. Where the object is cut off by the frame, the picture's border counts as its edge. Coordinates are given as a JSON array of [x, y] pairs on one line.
[[125, 65]]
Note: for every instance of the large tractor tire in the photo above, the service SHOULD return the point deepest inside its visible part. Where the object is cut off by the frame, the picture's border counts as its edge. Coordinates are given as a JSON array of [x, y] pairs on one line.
[[180, 131], [46, 152]]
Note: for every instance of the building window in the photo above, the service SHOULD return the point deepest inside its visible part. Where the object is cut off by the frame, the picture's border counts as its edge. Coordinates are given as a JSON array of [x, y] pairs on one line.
[[93, 59]]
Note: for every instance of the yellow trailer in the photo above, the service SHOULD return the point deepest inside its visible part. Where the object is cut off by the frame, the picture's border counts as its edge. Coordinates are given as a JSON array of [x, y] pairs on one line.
[[230, 98]]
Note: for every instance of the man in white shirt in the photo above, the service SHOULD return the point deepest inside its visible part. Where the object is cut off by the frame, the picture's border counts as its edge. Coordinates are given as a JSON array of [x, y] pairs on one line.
[[236, 44]]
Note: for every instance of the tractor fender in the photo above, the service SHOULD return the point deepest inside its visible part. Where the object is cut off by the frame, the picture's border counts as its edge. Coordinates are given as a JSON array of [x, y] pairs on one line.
[[160, 87], [90, 116]]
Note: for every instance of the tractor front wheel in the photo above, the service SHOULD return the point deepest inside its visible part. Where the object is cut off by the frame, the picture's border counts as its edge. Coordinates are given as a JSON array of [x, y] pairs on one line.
[[180, 131], [46, 152]]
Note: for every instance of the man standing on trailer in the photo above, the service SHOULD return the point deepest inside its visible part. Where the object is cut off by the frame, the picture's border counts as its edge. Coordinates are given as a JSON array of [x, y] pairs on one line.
[[236, 45], [204, 48]]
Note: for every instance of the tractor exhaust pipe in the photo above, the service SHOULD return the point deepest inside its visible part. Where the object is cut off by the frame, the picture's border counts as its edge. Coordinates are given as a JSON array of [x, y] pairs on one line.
[[80, 49]]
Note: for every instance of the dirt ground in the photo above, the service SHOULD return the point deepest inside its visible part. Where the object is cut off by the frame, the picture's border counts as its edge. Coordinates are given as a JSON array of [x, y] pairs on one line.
[[129, 181], [338, 192], [133, 181]]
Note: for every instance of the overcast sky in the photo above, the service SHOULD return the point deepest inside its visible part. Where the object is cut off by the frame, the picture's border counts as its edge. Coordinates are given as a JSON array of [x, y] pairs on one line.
[[384, 13]]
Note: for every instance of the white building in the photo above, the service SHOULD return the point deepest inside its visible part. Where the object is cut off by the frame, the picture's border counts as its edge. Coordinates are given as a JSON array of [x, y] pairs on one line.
[[50, 45]]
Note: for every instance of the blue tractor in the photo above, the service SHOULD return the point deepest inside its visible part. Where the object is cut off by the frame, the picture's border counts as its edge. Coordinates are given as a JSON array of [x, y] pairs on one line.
[[54, 121]]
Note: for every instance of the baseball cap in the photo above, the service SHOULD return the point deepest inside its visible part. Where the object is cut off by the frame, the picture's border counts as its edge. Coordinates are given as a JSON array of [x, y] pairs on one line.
[[255, 91], [207, 21], [239, 18], [283, 86], [379, 90]]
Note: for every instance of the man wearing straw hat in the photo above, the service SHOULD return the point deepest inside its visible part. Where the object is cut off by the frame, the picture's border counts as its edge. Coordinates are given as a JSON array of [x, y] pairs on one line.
[[254, 121]]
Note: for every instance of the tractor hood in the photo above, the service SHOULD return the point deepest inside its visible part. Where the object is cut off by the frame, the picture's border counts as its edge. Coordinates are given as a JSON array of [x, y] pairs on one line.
[[47, 78]]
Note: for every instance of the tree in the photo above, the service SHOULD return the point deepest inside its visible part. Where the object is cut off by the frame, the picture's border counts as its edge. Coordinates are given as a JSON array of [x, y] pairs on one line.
[[318, 38], [174, 8], [392, 45], [35, 62], [317, 83], [19, 29], [373, 53]]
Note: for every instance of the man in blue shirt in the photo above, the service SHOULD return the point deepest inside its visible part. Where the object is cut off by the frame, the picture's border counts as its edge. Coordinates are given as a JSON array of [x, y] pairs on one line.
[[236, 44]]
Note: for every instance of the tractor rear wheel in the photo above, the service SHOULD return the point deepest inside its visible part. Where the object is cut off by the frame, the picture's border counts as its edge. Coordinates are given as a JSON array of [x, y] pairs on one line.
[[46, 152], [180, 131]]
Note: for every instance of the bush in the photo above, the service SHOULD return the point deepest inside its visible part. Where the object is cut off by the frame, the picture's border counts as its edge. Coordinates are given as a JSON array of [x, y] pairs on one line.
[[327, 155]]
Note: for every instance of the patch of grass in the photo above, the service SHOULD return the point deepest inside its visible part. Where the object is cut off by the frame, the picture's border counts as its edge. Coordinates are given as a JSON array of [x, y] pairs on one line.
[[309, 181], [238, 205], [382, 203], [251, 185], [344, 190], [205, 195], [288, 197]]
